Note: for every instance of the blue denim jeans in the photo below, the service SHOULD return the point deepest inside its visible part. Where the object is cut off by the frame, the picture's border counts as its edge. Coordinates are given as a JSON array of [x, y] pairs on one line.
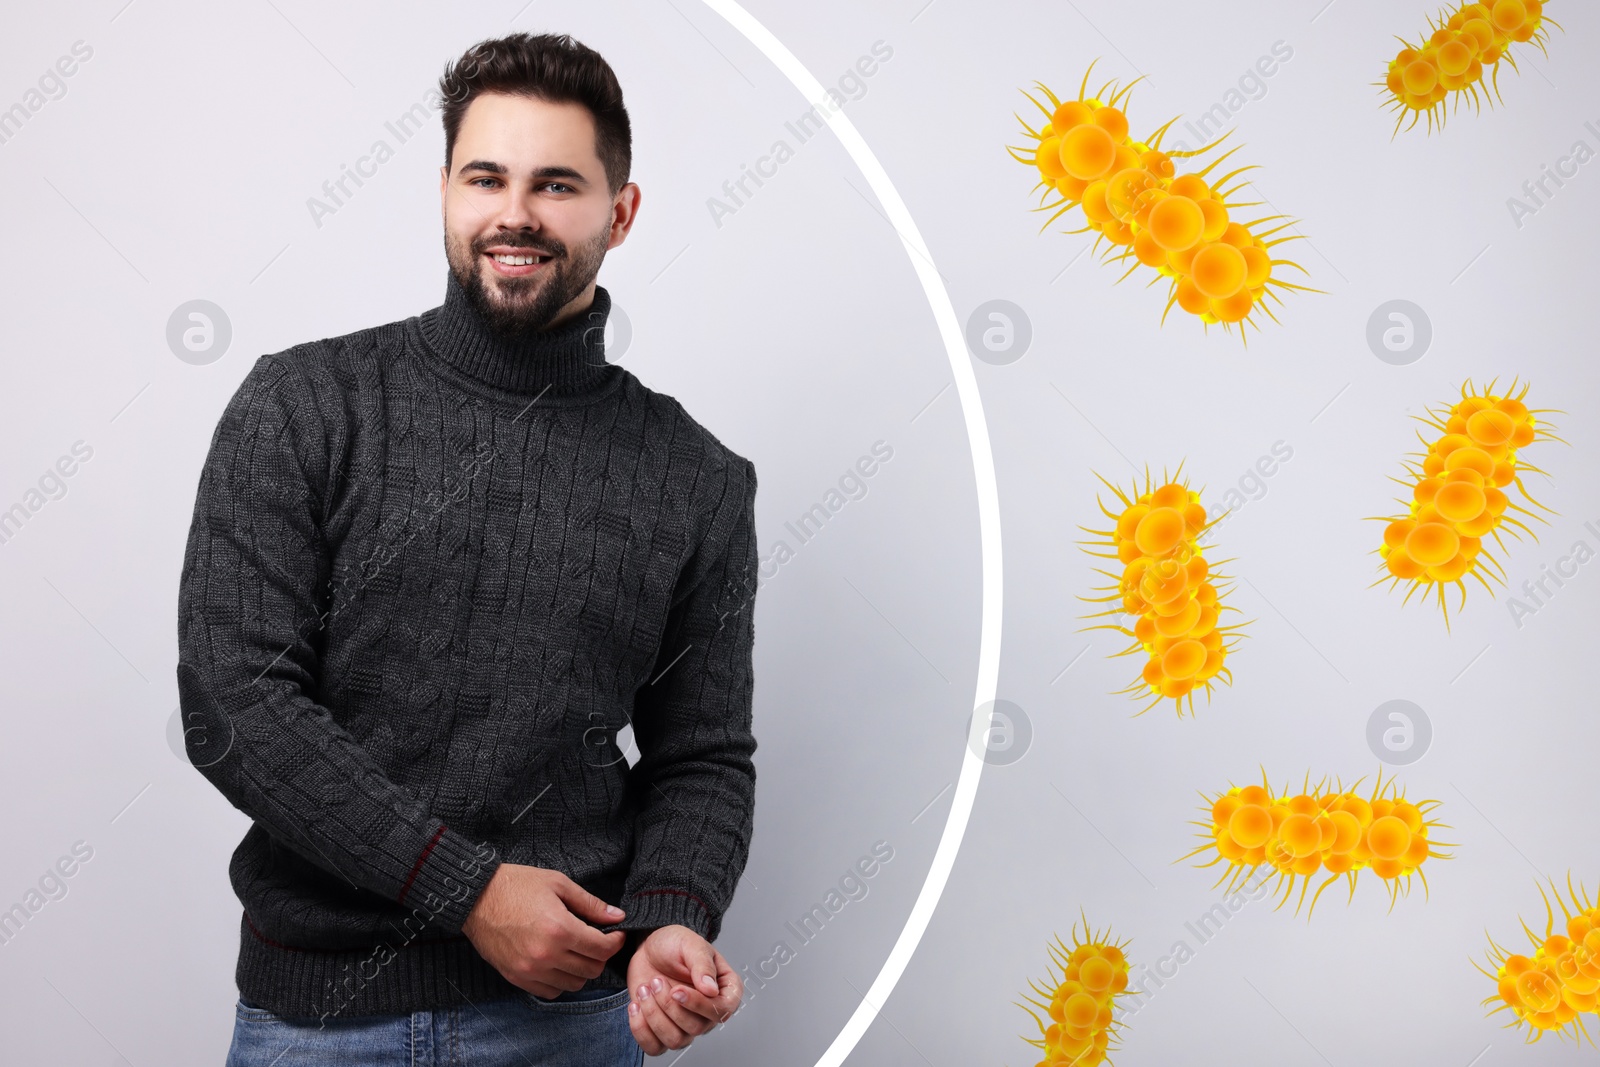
[[585, 1029]]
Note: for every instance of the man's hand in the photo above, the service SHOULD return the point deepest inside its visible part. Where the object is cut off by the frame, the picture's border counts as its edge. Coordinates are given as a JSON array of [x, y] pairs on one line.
[[529, 925], [682, 987]]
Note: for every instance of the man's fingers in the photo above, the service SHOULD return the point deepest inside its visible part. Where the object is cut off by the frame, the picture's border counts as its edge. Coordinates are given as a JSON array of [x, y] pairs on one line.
[[730, 985], [655, 1016], [691, 1010], [577, 963], [585, 904], [553, 983], [711, 1008], [700, 958], [585, 940], [642, 1033]]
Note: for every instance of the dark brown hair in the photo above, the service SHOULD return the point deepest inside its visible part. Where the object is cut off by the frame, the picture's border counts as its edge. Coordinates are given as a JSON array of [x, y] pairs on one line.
[[551, 67]]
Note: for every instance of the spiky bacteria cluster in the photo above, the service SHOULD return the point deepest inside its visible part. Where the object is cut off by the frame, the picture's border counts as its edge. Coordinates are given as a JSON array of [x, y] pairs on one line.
[[1182, 226], [1458, 494], [1168, 585], [1551, 989], [1453, 57], [1081, 1028], [1302, 835]]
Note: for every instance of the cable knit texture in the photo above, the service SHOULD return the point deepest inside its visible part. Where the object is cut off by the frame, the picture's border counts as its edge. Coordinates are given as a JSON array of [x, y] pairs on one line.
[[429, 576]]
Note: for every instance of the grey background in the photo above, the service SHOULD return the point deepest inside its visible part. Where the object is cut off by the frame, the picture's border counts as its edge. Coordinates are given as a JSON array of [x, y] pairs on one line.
[[177, 165]]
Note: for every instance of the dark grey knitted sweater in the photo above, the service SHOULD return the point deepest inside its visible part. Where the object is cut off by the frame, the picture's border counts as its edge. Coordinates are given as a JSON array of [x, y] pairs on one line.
[[429, 576]]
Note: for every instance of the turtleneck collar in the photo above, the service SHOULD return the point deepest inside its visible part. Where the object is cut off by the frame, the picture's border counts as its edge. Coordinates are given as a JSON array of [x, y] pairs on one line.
[[568, 360]]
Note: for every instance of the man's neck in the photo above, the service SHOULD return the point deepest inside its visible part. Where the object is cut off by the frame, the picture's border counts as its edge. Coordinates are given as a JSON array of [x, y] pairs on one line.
[[573, 308], [565, 358]]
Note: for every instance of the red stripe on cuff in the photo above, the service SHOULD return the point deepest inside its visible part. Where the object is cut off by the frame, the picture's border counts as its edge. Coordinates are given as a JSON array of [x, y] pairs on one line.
[[420, 861], [678, 892]]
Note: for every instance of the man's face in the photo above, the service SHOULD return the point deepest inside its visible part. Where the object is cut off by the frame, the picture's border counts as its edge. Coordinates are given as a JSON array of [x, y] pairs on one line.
[[525, 182]]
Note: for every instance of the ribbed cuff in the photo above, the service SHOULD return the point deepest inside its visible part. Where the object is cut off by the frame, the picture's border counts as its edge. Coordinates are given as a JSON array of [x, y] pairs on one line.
[[651, 909], [449, 876]]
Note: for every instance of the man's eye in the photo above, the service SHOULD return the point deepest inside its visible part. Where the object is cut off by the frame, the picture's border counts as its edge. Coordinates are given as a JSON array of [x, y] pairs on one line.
[[561, 187]]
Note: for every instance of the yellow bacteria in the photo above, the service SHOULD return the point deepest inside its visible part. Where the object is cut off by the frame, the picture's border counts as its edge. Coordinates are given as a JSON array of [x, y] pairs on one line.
[[1181, 226], [1460, 46], [1554, 987], [1458, 495], [1318, 830], [1169, 586], [1080, 1003]]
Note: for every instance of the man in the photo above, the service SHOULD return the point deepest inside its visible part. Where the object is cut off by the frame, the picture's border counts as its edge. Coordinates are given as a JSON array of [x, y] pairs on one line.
[[434, 567]]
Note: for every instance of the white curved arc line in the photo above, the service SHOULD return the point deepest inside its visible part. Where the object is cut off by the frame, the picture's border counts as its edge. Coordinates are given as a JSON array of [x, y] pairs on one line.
[[944, 315]]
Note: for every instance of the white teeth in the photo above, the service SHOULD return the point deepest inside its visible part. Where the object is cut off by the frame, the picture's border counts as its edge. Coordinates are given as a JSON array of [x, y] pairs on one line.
[[519, 261]]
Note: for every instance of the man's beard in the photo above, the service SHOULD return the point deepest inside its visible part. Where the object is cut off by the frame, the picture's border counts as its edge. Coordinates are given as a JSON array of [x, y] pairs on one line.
[[553, 286]]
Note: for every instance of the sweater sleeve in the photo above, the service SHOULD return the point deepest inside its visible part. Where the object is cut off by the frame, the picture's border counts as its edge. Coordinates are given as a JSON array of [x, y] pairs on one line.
[[255, 573], [695, 780]]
